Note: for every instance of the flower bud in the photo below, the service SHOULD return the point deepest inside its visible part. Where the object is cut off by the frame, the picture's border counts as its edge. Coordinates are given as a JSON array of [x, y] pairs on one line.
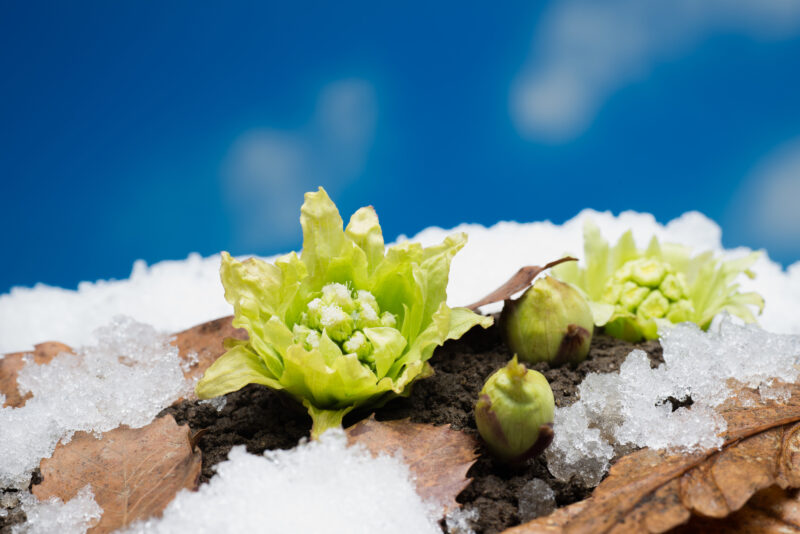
[[550, 322], [514, 413]]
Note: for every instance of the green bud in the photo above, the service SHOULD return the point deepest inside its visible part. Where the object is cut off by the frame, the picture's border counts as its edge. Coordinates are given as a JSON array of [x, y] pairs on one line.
[[632, 295], [655, 305], [680, 311], [673, 287], [647, 271], [514, 413], [388, 319], [359, 345], [550, 322], [337, 323], [367, 311], [339, 295]]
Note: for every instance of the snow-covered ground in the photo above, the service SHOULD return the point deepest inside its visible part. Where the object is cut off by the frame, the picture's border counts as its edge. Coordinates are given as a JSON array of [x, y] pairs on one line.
[[171, 296]]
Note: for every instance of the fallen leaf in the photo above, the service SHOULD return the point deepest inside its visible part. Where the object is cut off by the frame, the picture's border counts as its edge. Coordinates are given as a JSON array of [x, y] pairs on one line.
[[134, 472], [438, 457], [201, 345], [654, 491], [10, 365], [521, 280], [773, 510]]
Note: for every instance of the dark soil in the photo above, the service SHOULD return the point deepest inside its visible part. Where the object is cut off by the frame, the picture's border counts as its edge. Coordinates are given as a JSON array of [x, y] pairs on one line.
[[263, 419]]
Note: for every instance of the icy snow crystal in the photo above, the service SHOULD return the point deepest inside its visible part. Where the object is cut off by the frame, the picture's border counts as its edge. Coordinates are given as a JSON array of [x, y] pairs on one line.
[[130, 375], [53, 515], [632, 408], [320, 486], [536, 499]]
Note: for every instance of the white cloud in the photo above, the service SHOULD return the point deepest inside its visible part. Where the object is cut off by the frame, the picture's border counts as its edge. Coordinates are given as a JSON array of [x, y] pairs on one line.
[[267, 171], [765, 208], [585, 50]]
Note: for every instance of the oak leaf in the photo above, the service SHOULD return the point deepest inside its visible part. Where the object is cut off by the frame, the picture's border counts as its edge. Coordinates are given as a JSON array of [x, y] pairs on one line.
[[437, 456], [10, 365], [134, 472], [655, 491]]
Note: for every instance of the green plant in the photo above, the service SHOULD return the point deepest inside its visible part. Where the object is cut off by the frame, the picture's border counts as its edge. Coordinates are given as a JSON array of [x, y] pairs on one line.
[[514, 413], [551, 322], [345, 324], [632, 293]]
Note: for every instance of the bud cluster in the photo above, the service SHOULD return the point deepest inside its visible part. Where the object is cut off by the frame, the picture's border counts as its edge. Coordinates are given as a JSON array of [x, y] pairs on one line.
[[650, 289], [342, 313]]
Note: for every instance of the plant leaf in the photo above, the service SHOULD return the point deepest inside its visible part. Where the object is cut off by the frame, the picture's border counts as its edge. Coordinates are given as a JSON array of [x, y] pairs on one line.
[[654, 491], [438, 457], [11, 364], [134, 472], [205, 341]]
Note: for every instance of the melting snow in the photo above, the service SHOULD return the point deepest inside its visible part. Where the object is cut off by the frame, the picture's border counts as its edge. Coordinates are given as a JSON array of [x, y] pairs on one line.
[[53, 515], [617, 411], [130, 375], [322, 486]]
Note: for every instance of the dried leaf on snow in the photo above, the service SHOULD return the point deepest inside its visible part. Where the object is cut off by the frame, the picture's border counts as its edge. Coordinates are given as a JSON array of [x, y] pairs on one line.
[[438, 457], [521, 280], [134, 472], [654, 491], [11, 364]]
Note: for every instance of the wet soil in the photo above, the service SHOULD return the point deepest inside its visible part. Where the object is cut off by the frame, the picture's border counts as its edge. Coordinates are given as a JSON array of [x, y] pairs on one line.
[[262, 419]]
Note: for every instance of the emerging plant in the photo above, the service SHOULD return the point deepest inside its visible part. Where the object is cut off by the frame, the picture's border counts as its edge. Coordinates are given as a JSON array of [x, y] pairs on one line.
[[514, 413], [632, 293], [551, 322], [345, 324]]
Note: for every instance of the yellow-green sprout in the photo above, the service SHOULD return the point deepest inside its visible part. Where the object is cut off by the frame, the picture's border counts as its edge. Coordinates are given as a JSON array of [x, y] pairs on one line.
[[632, 293], [347, 323]]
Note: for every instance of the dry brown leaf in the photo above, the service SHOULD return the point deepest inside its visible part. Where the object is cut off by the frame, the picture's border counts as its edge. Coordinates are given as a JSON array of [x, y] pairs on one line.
[[518, 282], [10, 365], [438, 457], [655, 491], [205, 340], [134, 472]]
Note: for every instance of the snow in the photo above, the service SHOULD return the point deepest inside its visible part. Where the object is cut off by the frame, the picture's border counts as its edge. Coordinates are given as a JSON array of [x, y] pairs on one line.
[[322, 487], [126, 378], [175, 295], [619, 411], [536, 499], [127, 372], [53, 515]]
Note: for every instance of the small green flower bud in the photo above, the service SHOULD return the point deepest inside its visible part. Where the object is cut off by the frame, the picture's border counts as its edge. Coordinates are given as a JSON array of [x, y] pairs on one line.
[[632, 295], [388, 319], [655, 305], [339, 295], [612, 292], [359, 345], [673, 287], [680, 311], [335, 322], [647, 272], [550, 322], [366, 312], [514, 413]]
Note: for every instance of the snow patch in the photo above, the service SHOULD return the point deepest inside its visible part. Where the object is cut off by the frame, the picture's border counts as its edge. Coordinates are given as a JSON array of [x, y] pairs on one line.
[[319, 486], [130, 375], [634, 408], [53, 515]]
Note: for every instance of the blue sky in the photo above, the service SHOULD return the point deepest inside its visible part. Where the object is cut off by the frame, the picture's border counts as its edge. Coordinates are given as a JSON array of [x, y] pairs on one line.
[[144, 130]]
